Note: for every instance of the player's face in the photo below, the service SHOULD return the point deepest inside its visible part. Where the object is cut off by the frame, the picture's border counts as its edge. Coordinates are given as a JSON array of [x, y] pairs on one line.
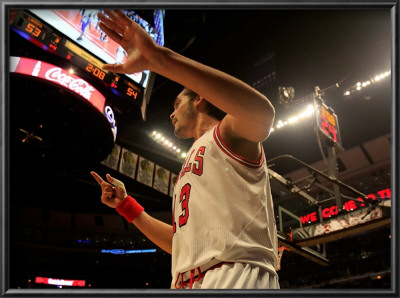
[[183, 117]]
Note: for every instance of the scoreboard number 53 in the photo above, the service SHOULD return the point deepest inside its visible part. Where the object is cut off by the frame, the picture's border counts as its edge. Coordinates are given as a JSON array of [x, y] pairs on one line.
[[32, 29]]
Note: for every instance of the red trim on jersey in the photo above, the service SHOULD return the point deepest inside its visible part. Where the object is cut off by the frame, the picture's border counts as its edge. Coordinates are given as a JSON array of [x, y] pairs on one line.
[[240, 159], [193, 278]]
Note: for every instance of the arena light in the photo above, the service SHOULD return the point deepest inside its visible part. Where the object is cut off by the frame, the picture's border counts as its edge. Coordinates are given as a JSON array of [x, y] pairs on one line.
[[361, 85], [294, 119], [286, 95], [167, 144]]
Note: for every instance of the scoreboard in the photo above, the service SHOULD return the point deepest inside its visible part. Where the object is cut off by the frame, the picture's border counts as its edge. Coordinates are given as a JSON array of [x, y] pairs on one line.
[[64, 107], [54, 42], [327, 123]]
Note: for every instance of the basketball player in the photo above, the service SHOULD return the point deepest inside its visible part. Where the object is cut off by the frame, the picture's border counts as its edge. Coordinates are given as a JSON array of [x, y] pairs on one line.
[[223, 234], [85, 21]]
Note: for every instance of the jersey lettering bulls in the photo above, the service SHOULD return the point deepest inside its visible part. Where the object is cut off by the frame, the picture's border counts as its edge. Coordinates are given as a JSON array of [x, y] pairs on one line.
[[222, 209]]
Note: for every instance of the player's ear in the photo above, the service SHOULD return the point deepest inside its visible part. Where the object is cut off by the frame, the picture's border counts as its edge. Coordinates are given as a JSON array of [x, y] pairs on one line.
[[201, 104], [199, 100]]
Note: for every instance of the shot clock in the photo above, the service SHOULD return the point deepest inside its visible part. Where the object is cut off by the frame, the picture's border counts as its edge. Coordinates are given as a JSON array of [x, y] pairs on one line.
[[327, 123]]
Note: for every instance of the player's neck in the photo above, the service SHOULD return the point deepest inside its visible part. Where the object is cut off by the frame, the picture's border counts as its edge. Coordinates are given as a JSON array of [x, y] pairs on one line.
[[204, 124]]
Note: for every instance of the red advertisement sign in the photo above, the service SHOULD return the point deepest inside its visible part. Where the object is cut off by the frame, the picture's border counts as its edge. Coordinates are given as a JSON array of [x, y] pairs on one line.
[[60, 282], [348, 206], [59, 76]]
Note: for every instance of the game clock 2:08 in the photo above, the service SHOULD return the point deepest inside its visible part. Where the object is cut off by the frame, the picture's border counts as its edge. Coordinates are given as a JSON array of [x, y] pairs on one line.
[[97, 72]]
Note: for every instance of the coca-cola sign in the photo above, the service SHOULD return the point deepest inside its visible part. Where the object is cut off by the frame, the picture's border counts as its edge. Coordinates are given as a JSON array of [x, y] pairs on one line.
[[77, 85], [59, 76]]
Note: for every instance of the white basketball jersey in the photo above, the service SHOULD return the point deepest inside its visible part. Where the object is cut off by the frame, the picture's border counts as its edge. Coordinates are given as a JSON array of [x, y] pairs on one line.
[[222, 209]]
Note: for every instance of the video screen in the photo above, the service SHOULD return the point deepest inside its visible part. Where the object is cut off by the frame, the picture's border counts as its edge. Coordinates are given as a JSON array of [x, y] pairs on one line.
[[81, 26]]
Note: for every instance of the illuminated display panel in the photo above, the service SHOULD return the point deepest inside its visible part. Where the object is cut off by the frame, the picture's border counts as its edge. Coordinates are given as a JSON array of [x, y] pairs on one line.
[[350, 205], [55, 74], [58, 31], [84, 30], [62, 77], [327, 123], [60, 282], [132, 251]]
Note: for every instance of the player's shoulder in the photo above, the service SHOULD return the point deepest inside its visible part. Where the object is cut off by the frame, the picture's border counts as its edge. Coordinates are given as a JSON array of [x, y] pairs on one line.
[[236, 143]]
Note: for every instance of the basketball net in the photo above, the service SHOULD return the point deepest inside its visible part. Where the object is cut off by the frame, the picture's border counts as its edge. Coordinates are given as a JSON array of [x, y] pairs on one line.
[[281, 249]]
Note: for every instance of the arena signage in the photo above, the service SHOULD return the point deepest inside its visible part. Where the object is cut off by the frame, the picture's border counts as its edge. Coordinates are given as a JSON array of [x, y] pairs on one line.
[[348, 206], [57, 75], [60, 282]]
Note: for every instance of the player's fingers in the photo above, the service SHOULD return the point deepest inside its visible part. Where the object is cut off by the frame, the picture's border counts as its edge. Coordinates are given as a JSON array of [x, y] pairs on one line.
[[108, 188], [114, 181], [111, 33], [106, 197], [125, 20], [118, 68], [111, 22], [118, 16], [119, 26], [97, 177], [107, 194]]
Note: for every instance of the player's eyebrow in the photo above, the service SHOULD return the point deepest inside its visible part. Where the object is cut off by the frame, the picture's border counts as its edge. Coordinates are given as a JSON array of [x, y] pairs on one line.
[[176, 102]]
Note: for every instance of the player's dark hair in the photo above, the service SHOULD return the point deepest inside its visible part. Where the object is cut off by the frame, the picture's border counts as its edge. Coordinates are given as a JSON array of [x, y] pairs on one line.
[[212, 110]]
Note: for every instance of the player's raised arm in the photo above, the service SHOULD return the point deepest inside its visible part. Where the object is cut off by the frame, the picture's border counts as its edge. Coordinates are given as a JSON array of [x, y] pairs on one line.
[[250, 114], [114, 195]]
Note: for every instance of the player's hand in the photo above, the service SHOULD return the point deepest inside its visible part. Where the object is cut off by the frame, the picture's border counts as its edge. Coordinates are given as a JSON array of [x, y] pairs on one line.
[[138, 44], [112, 192]]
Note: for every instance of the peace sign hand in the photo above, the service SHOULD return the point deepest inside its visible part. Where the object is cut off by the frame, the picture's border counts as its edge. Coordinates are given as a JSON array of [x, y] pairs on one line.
[[112, 192]]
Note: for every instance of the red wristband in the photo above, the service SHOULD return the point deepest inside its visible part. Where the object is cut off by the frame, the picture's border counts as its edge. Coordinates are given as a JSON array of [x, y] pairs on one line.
[[129, 208]]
